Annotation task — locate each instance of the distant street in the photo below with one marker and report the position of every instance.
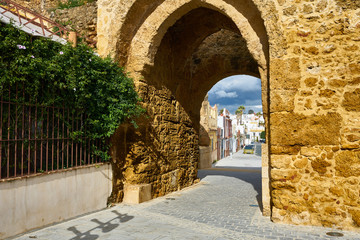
(241, 160)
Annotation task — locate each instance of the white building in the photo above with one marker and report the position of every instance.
(235, 131)
(254, 125)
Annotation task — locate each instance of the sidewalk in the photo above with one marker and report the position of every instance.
(224, 205)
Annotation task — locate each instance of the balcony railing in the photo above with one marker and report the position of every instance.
(39, 24)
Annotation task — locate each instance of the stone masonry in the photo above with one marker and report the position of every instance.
(307, 56)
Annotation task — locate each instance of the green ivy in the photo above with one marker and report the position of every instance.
(60, 75)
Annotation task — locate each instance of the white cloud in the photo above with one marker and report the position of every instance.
(243, 83)
(223, 94)
(237, 90)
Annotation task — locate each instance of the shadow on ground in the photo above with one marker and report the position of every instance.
(105, 227)
(250, 175)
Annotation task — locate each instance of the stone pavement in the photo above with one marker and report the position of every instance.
(240, 160)
(224, 205)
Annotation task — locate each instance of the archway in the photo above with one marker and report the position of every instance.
(230, 118)
(174, 67)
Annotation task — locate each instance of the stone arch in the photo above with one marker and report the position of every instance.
(165, 81)
(235, 59)
(135, 17)
(244, 14)
(190, 71)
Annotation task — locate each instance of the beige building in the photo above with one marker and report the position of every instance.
(208, 129)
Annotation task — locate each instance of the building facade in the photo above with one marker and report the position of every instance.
(208, 132)
(226, 134)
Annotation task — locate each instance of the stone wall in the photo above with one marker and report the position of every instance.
(314, 121)
(40, 6)
(306, 53)
(82, 19)
(34, 202)
(162, 151)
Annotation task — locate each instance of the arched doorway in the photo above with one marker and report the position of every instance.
(174, 67)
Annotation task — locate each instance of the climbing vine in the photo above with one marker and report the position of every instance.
(52, 74)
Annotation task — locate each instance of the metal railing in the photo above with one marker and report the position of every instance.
(38, 139)
(27, 16)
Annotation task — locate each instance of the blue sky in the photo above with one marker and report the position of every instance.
(231, 92)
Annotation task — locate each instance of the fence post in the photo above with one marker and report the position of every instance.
(73, 38)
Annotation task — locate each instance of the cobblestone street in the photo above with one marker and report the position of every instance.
(224, 205)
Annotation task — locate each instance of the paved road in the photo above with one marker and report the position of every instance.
(240, 160)
(258, 149)
(224, 205)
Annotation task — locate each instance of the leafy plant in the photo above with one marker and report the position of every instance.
(263, 135)
(52, 74)
(240, 110)
(72, 3)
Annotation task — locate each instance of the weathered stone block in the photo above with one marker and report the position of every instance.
(205, 157)
(337, 83)
(280, 161)
(307, 9)
(135, 194)
(355, 81)
(282, 100)
(285, 74)
(347, 163)
(327, 93)
(266, 199)
(301, 163)
(310, 151)
(353, 138)
(285, 176)
(311, 82)
(290, 10)
(264, 155)
(311, 50)
(321, 5)
(351, 100)
(298, 129)
(337, 191)
(355, 214)
(320, 165)
(300, 218)
(291, 150)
